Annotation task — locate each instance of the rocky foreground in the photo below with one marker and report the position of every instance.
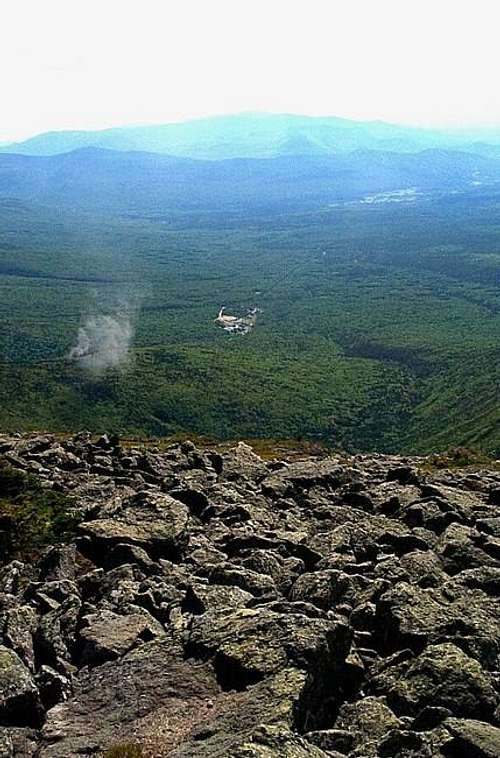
(216, 604)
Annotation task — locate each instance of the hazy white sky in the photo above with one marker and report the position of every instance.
(94, 63)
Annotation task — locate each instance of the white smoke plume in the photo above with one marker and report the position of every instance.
(103, 342)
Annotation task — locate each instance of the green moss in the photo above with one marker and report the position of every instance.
(31, 516)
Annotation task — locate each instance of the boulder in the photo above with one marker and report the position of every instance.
(18, 742)
(461, 547)
(170, 706)
(214, 597)
(19, 625)
(367, 720)
(252, 582)
(19, 700)
(444, 676)
(153, 521)
(323, 588)
(409, 616)
(52, 686)
(423, 568)
(11, 576)
(331, 740)
(471, 739)
(56, 633)
(105, 635)
(123, 700)
(241, 463)
(296, 477)
(58, 563)
(249, 644)
(404, 743)
(276, 742)
(486, 579)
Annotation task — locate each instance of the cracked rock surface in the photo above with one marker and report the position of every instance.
(217, 604)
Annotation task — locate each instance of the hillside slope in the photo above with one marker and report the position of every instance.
(109, 180)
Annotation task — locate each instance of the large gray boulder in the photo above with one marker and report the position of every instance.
(19, 699)
(250, 643)
(277, 742)
(410, 616)
(444, 676)
(152, 520)
(473, 738)
(127, 699)
(367, 720)
(105, 635)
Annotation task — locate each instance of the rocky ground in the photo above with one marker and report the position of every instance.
(216, 604)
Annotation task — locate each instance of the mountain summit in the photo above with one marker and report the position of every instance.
(256, 135)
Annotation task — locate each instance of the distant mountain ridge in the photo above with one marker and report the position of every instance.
(102, 179)
(260, 135)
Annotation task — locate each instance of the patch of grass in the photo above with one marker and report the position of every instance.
(124, 750)
(459, 457)
(31, 516)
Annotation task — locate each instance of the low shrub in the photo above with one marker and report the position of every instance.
(458, 457)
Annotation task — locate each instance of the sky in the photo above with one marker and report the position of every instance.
(90, 64)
